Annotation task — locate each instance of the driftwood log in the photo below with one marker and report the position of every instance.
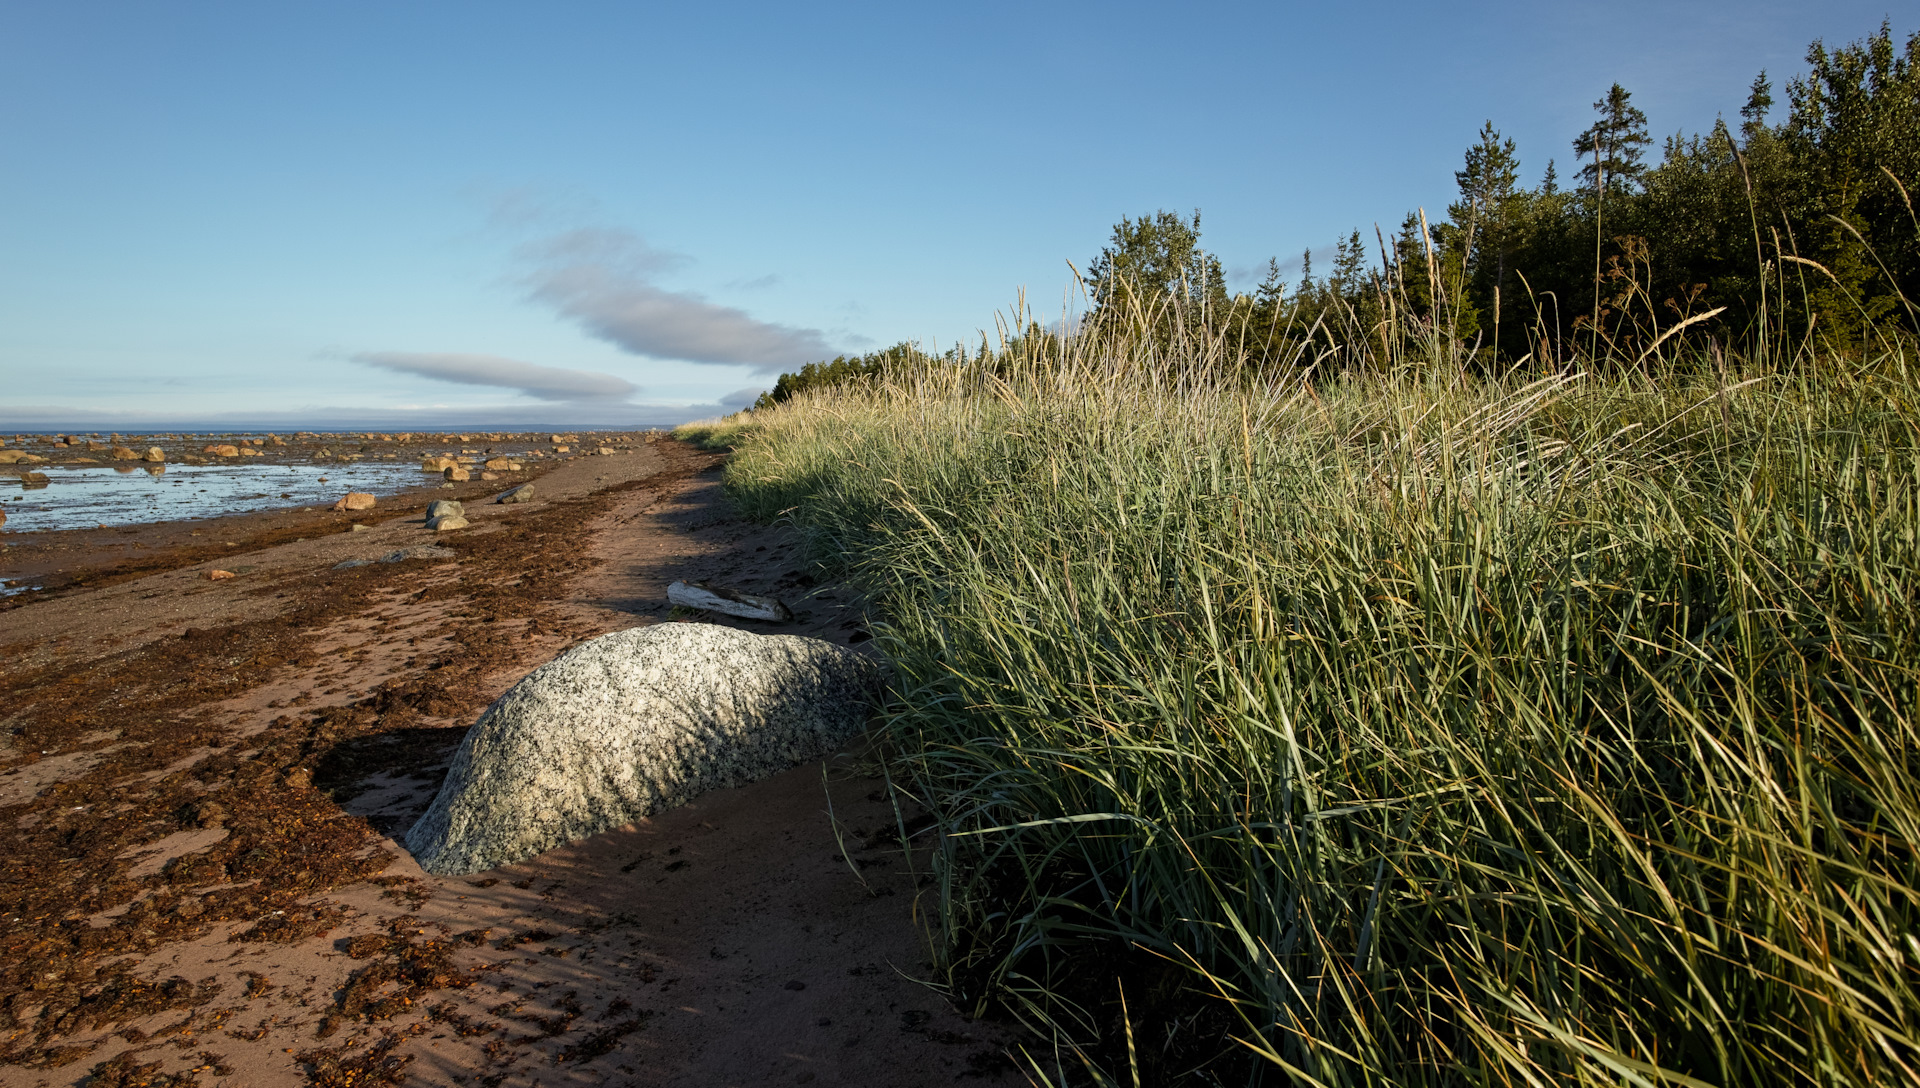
(730, 602)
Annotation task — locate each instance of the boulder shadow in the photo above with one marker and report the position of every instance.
(389, 779)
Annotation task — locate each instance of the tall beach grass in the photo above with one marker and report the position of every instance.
(1402, 728)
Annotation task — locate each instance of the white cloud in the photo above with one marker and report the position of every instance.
(604, 279)
(548, 383)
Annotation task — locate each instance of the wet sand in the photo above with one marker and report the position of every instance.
(203, 785)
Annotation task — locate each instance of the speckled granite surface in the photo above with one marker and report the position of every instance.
(630, 724)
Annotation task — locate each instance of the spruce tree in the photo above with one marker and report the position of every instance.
(1487, 211)
(1612, 147)
(1753, 115)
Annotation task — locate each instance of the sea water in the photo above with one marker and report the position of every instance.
(86, 496)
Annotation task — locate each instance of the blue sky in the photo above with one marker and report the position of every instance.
(576, 213)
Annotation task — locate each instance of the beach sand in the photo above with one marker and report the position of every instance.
(203, 785)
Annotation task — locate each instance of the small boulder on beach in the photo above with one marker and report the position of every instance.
(355, 500)
(457, 473)
(154, 455)
(446, 523)
(523, 493)
(440, 508)
(633, 723)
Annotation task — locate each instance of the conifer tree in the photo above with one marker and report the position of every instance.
(1487, 211)
(1753, 115)
(1615, 143)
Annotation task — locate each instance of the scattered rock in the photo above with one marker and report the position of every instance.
(155, 455)
(223, 451)
(523, 493)
(19, 457)
(498, 464)
(489, 475)
(359, 528)
(122, 453)
(440, 508)
(633, 723)
(349, 564)
(219, 575)
(33, 481)
(447, 522)
(457, 473)
(355, 500)
(727, 601)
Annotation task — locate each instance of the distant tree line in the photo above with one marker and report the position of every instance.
(1767, 237)
(1798, 231)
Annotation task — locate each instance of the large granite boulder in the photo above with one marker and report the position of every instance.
(634, 723)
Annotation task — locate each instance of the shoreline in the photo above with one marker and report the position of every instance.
(58, 559)
(207, 781)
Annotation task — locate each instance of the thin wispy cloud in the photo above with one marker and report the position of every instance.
(549, 383)
(606, 280)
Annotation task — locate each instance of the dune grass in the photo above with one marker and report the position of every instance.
(716, 434)
(1398, 729)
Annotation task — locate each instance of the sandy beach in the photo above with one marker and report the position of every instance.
(204, 784)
